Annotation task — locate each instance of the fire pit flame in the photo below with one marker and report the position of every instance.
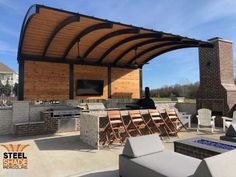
(215, 144)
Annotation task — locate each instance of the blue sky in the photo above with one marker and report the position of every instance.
(201, 19)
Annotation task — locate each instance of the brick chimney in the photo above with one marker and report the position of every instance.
(217, 90)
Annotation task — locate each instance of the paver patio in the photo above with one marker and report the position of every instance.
(64, 155)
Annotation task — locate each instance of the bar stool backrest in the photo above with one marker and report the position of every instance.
(171, 113)
(135, 115)
(114, 116)
(154, 113)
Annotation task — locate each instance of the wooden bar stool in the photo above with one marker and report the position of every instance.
(138, 124)
(116, 129)
(173, 116)
(173, 121)
(103, 130)
(158, 123)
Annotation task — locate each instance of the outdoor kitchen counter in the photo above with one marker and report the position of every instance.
(89, 126)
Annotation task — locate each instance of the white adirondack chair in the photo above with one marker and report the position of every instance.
(228, 121)
(205, 119)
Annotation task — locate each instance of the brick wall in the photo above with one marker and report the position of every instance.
(32, 128)
(226, 62)
(25, 111)
(217, 89)
(48, 125)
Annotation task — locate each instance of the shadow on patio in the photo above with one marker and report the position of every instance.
(111, 173)
(13, 138)
(72, 142)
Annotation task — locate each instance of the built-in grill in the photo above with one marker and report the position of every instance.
(67, 119)
(65, 113)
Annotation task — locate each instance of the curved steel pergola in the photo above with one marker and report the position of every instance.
(112, 43)
(54, 35)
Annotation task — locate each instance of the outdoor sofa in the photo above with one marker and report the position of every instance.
(145, 156)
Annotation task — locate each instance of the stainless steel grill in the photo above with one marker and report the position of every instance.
(68, 119)
(65, 113)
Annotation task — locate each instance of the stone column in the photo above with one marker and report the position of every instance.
(20, 112)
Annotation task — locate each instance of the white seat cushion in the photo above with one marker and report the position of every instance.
(142, 145)
(222, 165)
(169, 163)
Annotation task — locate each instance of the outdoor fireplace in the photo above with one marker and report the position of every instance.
(217, 90)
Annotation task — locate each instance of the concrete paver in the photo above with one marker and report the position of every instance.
(64, 155)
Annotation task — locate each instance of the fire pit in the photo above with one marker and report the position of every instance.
(202, 147)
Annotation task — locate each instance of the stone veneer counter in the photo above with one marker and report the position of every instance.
(90, 126)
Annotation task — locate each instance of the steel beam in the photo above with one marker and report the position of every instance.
(71, 81)
(84, 33)
(109, 81)
(21, 80)
(141, 82)
(72, 61)
(124, 41)
(109, 36)
(59, 27)
(149, 41)
(168, 50)
(34, 9)
(150, 49)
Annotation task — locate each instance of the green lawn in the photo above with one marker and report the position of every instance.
(187, 100)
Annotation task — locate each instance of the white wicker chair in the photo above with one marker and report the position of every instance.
(228, 121)
(205, 119)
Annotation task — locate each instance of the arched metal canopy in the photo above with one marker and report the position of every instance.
(56, 35)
